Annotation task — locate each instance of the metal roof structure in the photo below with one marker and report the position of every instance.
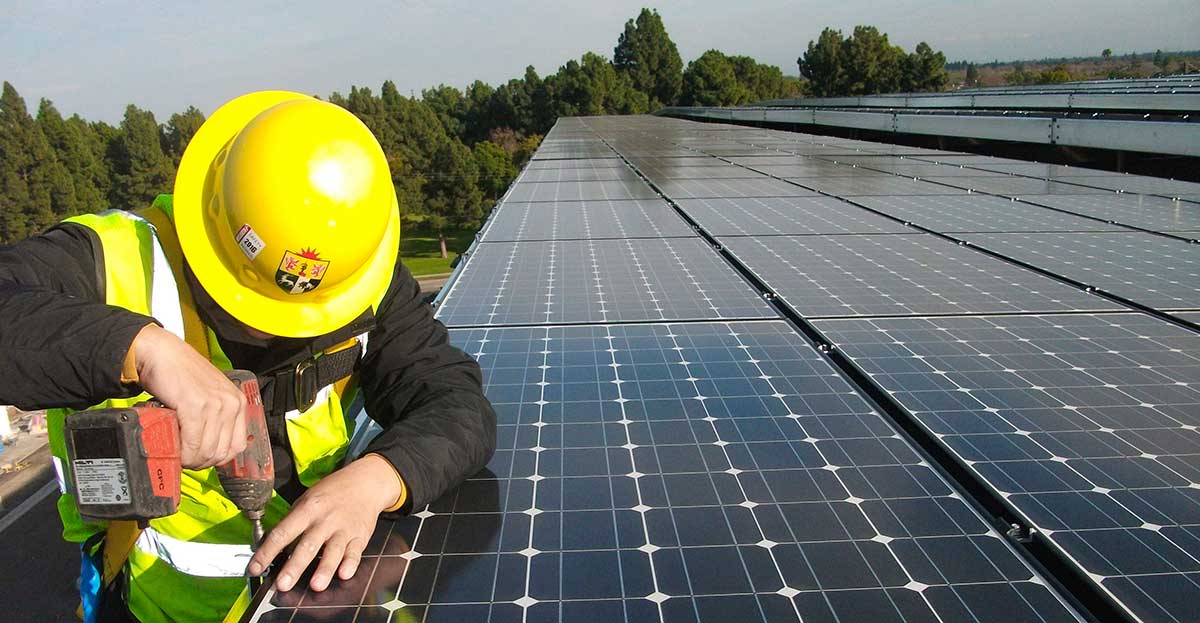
(754, 375)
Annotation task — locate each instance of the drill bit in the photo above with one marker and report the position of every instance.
(255, 517)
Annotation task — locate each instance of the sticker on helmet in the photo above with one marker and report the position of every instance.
(300, 272)
(249, 242)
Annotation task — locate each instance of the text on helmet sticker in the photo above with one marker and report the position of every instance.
(300, 272)
(249, 242)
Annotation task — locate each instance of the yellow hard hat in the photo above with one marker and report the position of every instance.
(286, 213)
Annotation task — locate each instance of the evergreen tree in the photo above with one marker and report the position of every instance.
(924, 70)
(74, 149)
(972, 78)
(35, 188)
(448, 104)
(822, 65)
(647, 55)
(496, 170)
(453, 198)
(141, 170)
(178, 131)
(592, 86)
(710, 80)
(872, 64)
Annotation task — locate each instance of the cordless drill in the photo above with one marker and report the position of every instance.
(125, 463)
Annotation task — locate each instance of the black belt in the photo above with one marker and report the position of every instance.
(296, 387)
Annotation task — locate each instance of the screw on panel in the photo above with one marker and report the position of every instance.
(825, 348)
(1019, 533)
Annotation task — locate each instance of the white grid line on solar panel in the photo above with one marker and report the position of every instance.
(1019, 186)
(573, 154)
(897, 274)
(732, 188)
(812, 168)
(608, 174)
(664, 173)
(581, 191)
(868, 183)
(1086, 424)
(1153, 213)
(1152, 270)
(597, 281)
(1135, 184)
(686, 473)
(976, 213)
(580, 163)
(910, 168)
(750, 216)
(645, 218)
(698, 160)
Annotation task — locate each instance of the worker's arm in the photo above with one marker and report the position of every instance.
(438, 428)
(60, 345)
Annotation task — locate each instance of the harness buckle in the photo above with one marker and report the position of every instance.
(304, 384)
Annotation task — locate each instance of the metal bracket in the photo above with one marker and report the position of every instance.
(1019, 533)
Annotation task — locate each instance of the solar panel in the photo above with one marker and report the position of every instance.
(1019, 186)
(1152, 270)
(663, 173)
(785, 215)
(898, 274)
(597, 281)
(683, 473)
(1153, 213)
(1085, 425)
(868, 183)
(643, 218)
(1136, 184)
(737, 188)
(581, 191)
(597, 174)
(967, 213)
(580, 163)
(814, 168)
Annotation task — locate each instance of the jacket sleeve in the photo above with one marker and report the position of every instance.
(438, 428)
(60, 345)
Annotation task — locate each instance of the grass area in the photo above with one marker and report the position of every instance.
(420, 252)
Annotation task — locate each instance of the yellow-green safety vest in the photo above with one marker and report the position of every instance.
(189, 567)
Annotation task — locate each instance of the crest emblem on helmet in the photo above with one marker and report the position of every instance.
(300, 272)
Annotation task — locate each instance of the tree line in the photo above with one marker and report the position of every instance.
(452, 151)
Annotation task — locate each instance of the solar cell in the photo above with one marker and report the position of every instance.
(581, 191)
(597, 281)
(1085, 425)
(596, 174)
(580, 163)
(1019, 186)
(658, 173)
(737, 188)
(689, 473)
(785, 215)
(898, 275)
(1154, 213)
(644, 218)
(1152, 270)
(868, 183)
(968, 213)
(1136, 184)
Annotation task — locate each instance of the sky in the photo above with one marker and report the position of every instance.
(94, 58)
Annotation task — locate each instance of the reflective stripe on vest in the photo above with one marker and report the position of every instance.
(206, 560)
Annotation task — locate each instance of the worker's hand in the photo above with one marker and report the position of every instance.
(335, 518)
(210, 408)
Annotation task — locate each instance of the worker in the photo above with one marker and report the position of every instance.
(276, 253)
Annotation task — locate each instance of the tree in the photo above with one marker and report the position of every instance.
(710, 80)
(1160, 59)
(924, 70)
(647, 55)
(871, 64)
(759, 81)
(496, 169)
(141, 170)
(450, 107)
(178, 132)
(592, 86)
(822, 64)
(525, 149)
(35, 188)
(972, 78)
(453, 198)
(1107, 53)
(73, 148)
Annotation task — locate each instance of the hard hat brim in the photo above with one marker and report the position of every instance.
(322, 311)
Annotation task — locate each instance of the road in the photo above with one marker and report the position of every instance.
(37, 568)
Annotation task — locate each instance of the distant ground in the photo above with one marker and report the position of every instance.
(421, 253)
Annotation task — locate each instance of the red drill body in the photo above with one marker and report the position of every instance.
(125, 463)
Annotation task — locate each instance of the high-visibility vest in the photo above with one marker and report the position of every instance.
(189, 567)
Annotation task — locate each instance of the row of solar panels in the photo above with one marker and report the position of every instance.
(1172, 93)
(734, 369)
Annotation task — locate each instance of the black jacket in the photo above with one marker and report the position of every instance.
(61, 346)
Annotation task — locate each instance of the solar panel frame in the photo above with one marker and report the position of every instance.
(898, 274)
(597, 281)
(1084, 424)
(634, 481)
(1019, 186)
(1144, 211)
